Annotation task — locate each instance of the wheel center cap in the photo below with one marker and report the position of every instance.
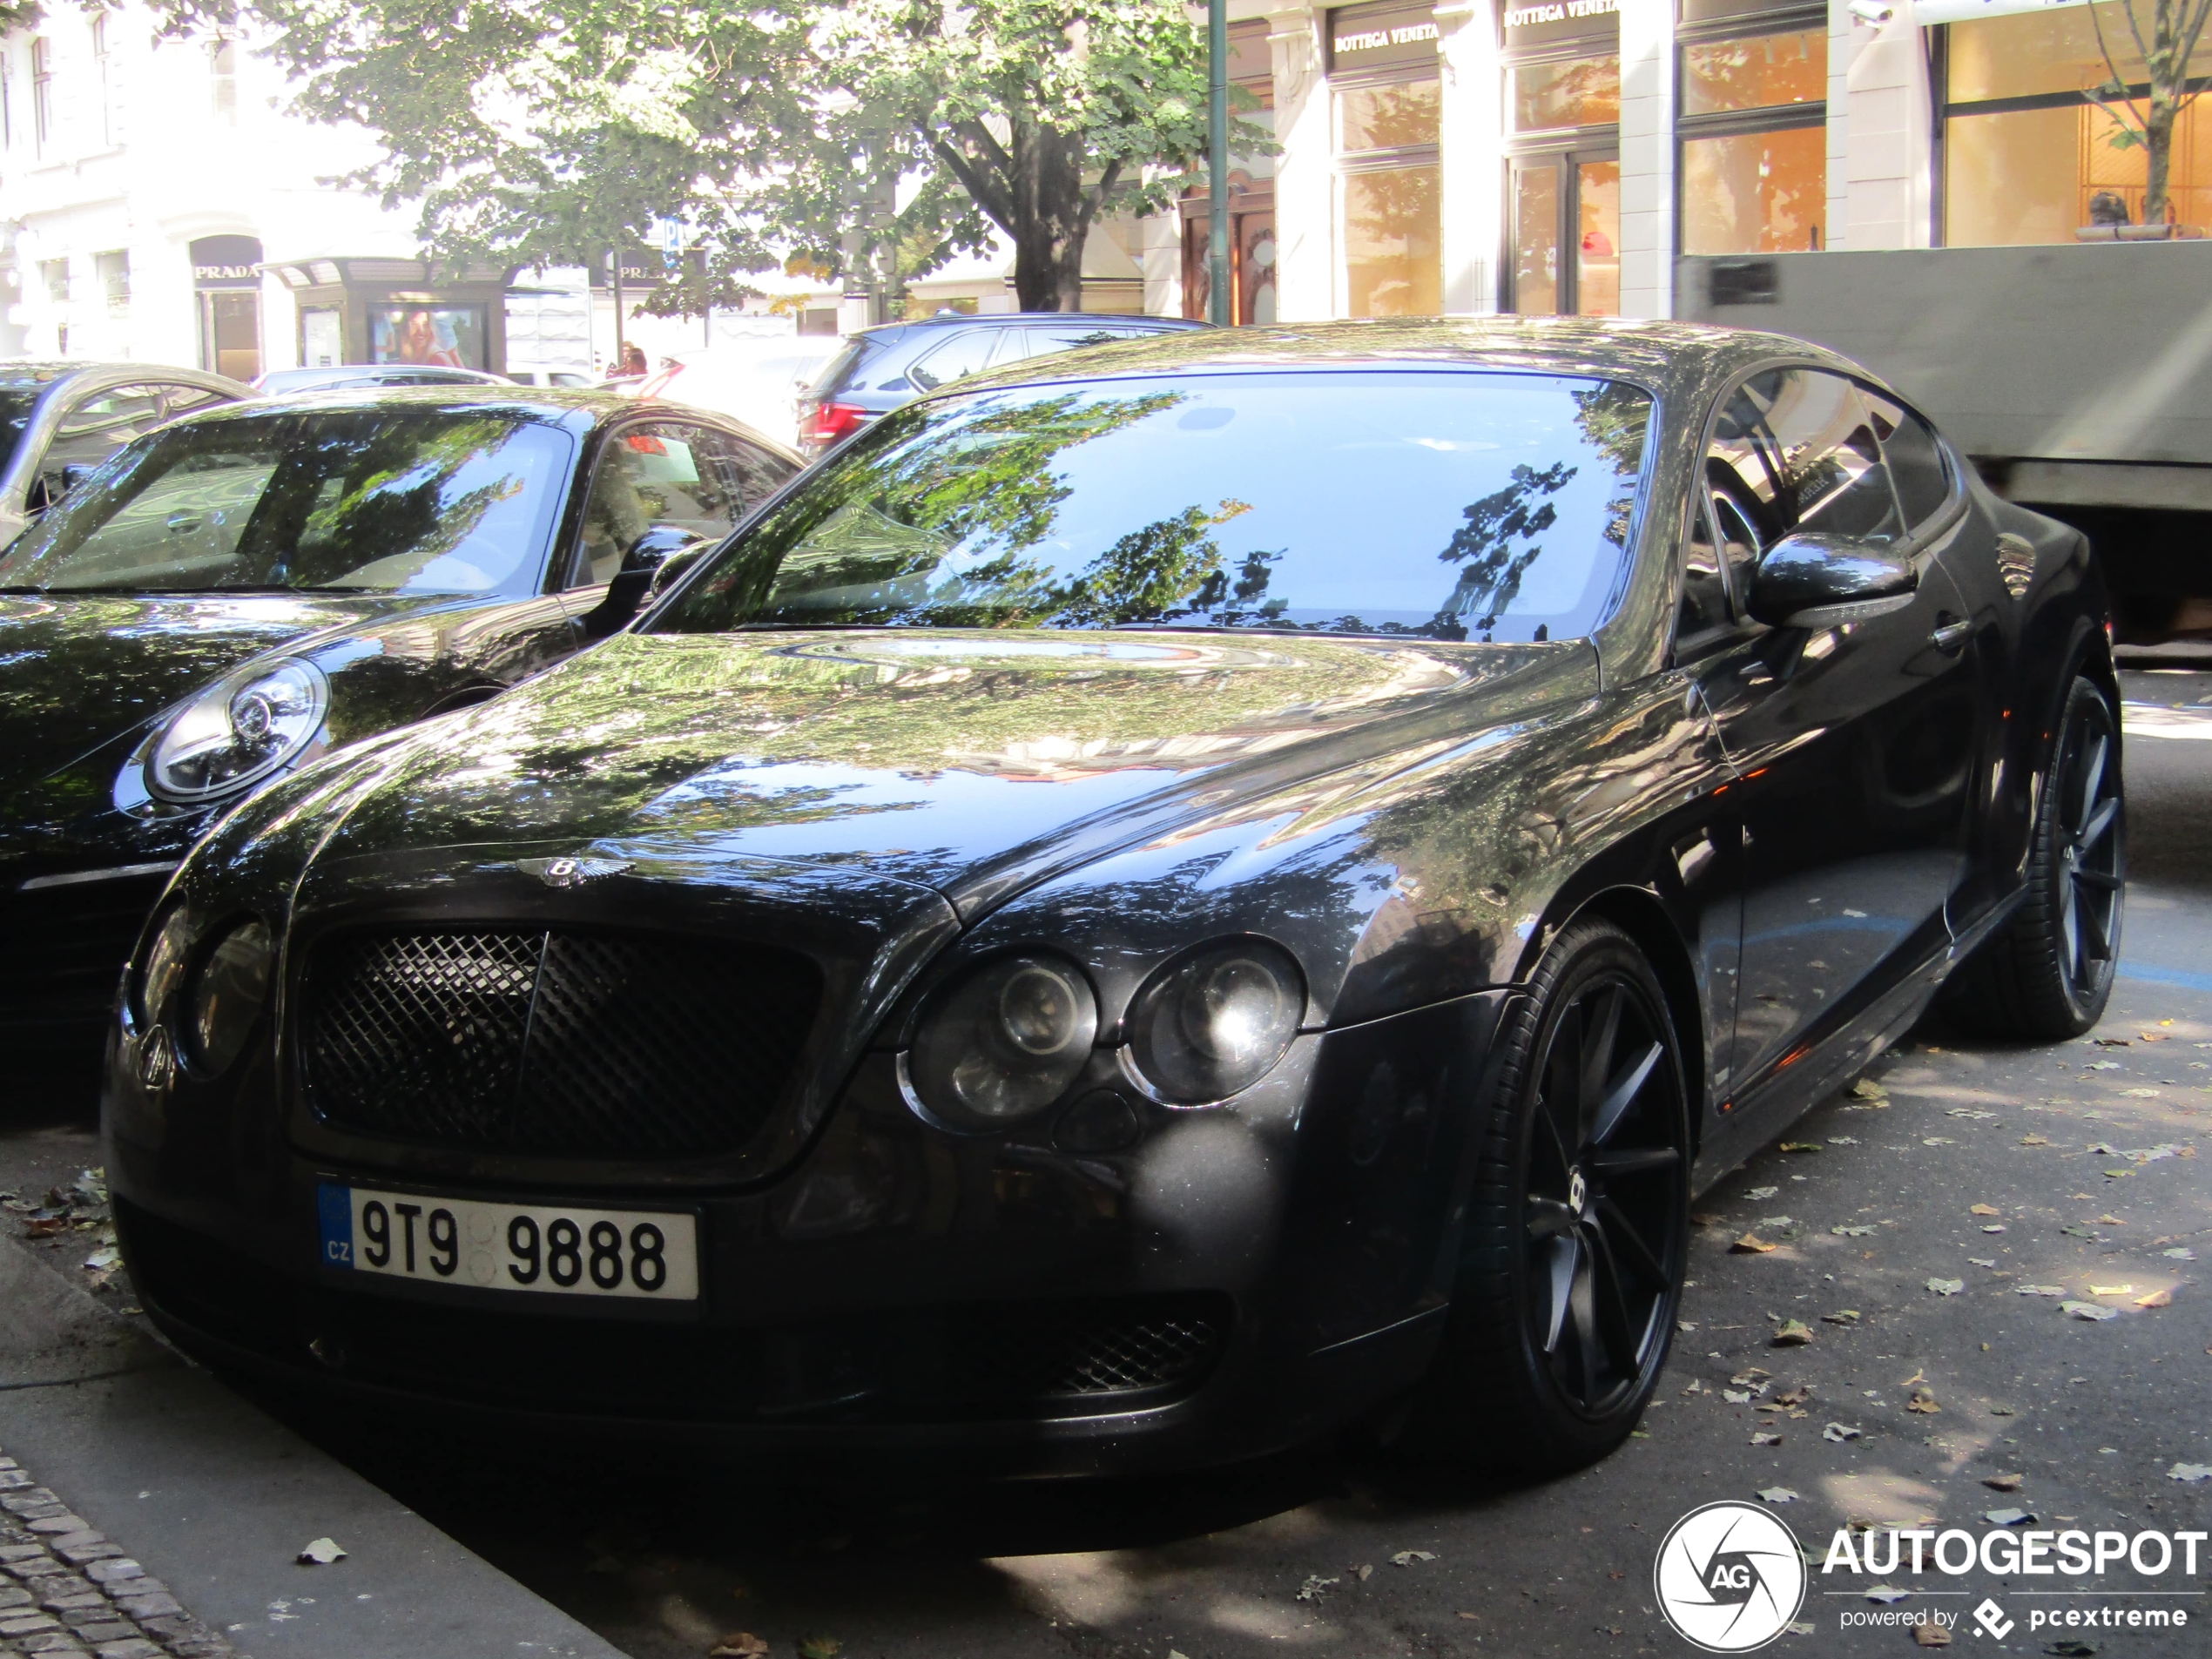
(1578, 1192)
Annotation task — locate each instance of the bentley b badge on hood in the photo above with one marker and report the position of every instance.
(571, 871)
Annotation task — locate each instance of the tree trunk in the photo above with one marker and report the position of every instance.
(2158, 143)
(1052, 214)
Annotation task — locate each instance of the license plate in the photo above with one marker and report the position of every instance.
(561, 1249)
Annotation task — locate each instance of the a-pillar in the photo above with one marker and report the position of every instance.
(1471, 139)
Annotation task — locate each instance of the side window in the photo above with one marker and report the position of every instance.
(968, 352)
(760, 472)
(1704, 583)
(99, 425)
(1916, 466)
(178, 399)
(1795, 449)
(661, 475)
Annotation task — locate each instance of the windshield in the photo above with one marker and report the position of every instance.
(391, 499)
(1452, 505)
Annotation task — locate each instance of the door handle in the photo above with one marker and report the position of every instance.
(1949, 637)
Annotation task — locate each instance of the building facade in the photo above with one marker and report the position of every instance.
(1560, 156)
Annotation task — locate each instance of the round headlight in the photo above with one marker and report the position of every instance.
(227, 994)
(1005, 1042)
(237, 731)
(1216, 1021)
(164, 967)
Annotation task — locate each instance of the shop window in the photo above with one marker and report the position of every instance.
(1562, 167)
(1751, 124)
(1387, 104)
(2027, 154)
(1569, 92)
(114, 272)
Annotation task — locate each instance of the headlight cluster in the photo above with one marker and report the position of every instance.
(237, 731)
(210, 988)
(1009, 1040)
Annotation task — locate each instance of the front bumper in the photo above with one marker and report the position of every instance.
(64, 937)
(1238, 1280)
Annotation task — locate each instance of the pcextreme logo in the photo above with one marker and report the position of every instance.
(1730, 1577)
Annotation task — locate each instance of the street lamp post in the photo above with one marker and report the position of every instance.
(1217, 299)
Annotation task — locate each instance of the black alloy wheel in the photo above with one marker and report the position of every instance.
(1577, 1232)
(2048, 973)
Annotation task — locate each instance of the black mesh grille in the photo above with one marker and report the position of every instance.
(560, 1043)
(1112, 1354)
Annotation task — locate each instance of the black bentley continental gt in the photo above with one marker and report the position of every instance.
(1141, 910)
(231, 594)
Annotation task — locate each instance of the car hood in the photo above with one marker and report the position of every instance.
(76, 671)
(973, 763)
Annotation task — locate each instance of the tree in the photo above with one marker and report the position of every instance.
(874, 137)
(2165, 34)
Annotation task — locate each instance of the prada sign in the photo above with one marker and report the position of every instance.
(221, 262)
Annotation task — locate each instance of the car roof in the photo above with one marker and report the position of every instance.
(574, 409)
(1663, 357)
(999, 319)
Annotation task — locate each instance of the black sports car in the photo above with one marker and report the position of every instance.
(227, 596)
(1141, 910)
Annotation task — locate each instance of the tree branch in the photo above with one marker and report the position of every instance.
(989, 192)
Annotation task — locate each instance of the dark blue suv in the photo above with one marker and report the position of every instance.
(896, 362)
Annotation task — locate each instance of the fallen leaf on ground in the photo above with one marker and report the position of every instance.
(1794, 1333)
(1776, 1495)
(1983, 1210)
(1946, 1286)
(1758, 1193)
(1887, 1593)
(1841, 1316)
(2009, 1517)
(1867, 1089)
(1931, 1634)
(738, 1644)
(101, 1261)
(321, 1553)
(1839, 1433)
(1937, 1140)
(1981, 1261)
(2088, 1311)
(1924, 1401)
(2190, 1472)
(1408, 1557)
(1800, 1146)
(1750, 1244)
(2003, 1482)
(1843, 1140)
(2071, 1231)
(1994, 1227)
(2156, 1298)
(1975, 1112)
(820, 1647)
(1315, 1587)
(2112, 1289)
(2071, 1647)
(1851, 1230)
(2180, 1253)
(1736, 1396)
(2034, 1140)
(1762, 1438)
(2039, 1290)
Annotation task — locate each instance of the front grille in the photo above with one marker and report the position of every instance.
(968, 1360)
(558, 1043)
(62, 950)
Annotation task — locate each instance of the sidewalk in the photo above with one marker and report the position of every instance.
(150, 1512)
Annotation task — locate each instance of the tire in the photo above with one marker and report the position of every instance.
(1576, 1232)
(2047, 975)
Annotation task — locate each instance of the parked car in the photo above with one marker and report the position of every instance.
(59, 421)
(882, 368)
(573, 379)
(1140, 910)
(347, 377)
(234, 594)
(757, 382)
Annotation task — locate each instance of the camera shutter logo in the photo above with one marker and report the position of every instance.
(1730, 1577)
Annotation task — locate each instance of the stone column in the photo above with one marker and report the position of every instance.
(1647, 158)
(1889, 160)
(1306, 279)
(1841, 45)
(1471, 143)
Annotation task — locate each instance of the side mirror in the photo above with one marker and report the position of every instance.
(1813, 581)
(674, 566)
(641, 564)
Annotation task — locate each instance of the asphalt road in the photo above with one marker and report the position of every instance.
(2086, 1155)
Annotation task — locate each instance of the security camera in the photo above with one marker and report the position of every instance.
(1872, 13)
